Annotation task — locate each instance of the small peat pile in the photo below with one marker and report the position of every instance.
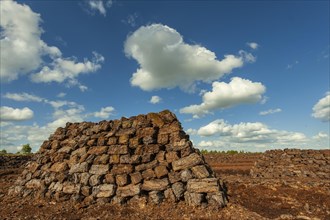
(145, 157)
(289, 163)
(13, 161)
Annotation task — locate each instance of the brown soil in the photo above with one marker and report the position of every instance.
(249, 198)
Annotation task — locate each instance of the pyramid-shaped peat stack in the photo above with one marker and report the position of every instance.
(145, 157)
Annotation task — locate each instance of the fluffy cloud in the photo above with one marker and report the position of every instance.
(68, 114)
(225, 95)
(99, 6)
(67, 69)
(248, 57)
(72, 108)
(253, 45)
(191, 131)
(105, 112)
(61, 95)
(321, 109)
(155, 99)
(248, 132)
(254, 135)
(64, 111)
(23, 97)
(21, 38)
(166, 61)
(15, 114)
(206, 144)
(270, 111)
(321, 135)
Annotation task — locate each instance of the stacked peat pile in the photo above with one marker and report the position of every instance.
(13, 161)
(147, 157)
(293, 163)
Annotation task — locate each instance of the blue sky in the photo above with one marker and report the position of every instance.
(241, 75)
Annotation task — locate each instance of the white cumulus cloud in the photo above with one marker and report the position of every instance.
(105, 112)
(61, 95)
(20, 97)
(15, 114)
(155, 99)
(23, 51)
(166, 61)
(321, 135)
(60, 103)
(20, 39)
(253, 45)
(191, 131)
(225, 95)
(321, 109)
(99, 6)
(63, 115)
(64, 111)
(249, 132)
(206, 144)
(270, 111)
(67, 69)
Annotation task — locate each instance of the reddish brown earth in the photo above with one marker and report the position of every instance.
(298, 198)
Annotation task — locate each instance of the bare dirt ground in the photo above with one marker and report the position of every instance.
(249, 198)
